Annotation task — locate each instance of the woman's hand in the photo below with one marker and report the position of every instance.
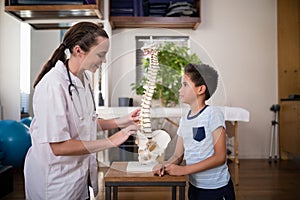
(108, 124)
(121, 136)
(135, 115)
(130, 119)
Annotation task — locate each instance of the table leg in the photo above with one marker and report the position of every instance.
(107, 192)
(181, 192)
(236, 154)
(115, 192)
(173, 192)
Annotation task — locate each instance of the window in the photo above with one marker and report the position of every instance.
(24, 67)
(145, 40)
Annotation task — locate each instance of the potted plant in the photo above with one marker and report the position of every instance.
(172, 60)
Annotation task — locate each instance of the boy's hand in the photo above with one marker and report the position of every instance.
(175, 170)
(158, 170)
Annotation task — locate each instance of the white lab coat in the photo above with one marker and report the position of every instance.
(60, 177)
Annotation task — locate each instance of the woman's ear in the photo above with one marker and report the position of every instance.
(77, 50)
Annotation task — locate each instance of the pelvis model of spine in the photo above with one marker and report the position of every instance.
(151, 144)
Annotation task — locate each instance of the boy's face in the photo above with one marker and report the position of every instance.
(188, 92)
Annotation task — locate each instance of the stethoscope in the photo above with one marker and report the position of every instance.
(72, 85)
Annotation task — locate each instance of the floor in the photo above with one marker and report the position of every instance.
(259, 180)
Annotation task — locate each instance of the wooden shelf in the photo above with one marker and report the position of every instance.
(156, 22)
(62, 16)
(53, 12)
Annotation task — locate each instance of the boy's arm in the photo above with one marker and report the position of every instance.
(176, 158)
(217, 159)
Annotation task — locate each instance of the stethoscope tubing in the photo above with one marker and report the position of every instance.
(72, 85)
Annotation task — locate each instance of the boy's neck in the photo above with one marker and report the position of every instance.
(195, 108)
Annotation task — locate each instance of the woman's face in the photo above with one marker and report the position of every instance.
(96, 56)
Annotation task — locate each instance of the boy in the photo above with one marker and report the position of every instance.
(201, 139)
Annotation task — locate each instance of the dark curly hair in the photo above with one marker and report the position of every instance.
(202, 74)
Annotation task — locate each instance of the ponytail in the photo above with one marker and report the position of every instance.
(84, 34)
(59, 54)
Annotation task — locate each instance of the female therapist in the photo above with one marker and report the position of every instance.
(61, 162)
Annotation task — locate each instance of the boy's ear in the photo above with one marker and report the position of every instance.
(201, 89)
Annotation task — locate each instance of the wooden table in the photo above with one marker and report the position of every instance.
(232, 114)
(117, 176)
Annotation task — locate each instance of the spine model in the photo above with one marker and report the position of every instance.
(152, 144)
(149, 90)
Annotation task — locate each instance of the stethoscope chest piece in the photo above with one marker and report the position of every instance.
(95, 116)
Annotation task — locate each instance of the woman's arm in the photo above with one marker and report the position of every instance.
(108, 124)
(217, 159)
(80, 147)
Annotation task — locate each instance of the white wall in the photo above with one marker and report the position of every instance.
(9, 65)
(238, 37)
(43, 44)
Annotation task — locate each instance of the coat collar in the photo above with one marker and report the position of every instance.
(62, 69)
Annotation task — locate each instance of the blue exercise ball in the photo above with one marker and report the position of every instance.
(15, 141)
(26, 121)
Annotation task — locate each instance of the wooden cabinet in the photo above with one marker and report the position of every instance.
(157, 22)
(289, 128)
(288, 12)
(40, 16)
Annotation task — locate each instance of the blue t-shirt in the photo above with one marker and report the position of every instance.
(198, 142)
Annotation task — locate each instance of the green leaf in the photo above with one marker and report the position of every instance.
(172, 60)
